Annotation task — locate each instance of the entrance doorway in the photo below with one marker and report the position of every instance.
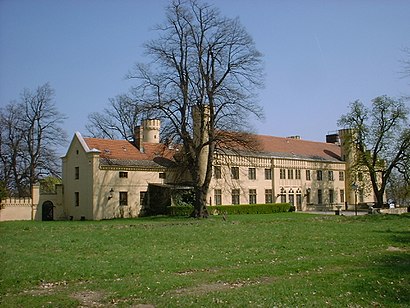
(48, 211)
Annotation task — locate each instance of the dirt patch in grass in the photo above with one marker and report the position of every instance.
(46, 288)
(221, 286)
(89, 298)
(86, 298)
(193, 271)
(392, 248)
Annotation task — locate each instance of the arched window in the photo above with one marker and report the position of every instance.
(299, 199)
(282, 195)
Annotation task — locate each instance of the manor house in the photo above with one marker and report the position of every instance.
(104, 178)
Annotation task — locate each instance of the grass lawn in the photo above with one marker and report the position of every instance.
(282, 260)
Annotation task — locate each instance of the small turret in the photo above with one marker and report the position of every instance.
(200, 123)
(151, 130)
(147, 132)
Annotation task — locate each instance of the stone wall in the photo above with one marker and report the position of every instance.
(20, 208)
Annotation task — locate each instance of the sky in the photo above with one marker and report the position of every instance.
(319, 56)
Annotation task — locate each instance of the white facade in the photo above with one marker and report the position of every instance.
(104, 179)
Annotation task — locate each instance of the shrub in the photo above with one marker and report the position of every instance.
(180, 210)
(249, 208)
(232, 209)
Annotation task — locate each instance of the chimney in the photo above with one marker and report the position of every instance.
(333, 138)
(138, 137)
(297, 137)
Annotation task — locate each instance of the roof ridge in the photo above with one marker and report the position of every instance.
(294, 139)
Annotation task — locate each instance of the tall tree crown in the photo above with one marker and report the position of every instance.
(200, 58)
(31, 133)
(381, 140)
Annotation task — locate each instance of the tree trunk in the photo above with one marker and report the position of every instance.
(379, 198)
(200, 210)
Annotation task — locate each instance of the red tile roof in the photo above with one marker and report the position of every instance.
(289, 147)
(123, 150)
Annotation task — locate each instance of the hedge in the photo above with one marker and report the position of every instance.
(180, 210)
(232, 209)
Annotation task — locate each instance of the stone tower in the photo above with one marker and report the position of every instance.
(150, 130)
(200, 136)
(348, 153)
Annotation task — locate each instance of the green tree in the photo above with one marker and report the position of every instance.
(48, 184)
(381, 140)
(3, 190)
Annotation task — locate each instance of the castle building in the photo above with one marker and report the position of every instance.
(104, 178)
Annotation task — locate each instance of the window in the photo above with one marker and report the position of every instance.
(330, 175)
(268, 174)
(162, 175)
(307, 175)
(341, 176)
(319, 196)
(282, 174)
(342, 195)
(297, 174)
(252, 173)
(123, 174)
(308, 196)
(77, 198)
(291, 197)
(283, 195)
(299, 200)
(252, 196)
(217, 172)
(319, 175)
(235, 173)
(123, 198)
(361, 195)
(331, 196)
(235, 196)
(268, 195)
(218, 196)
(290, 174)
(143, 195)
(77, 173)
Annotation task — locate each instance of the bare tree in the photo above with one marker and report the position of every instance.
(406, 63)
(29, 139)
(381, 140)
(117, 121)
(205, 66)
(13, 173)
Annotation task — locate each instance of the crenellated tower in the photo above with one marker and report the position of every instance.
(150, 128)
(349, 155)
(200, 136)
